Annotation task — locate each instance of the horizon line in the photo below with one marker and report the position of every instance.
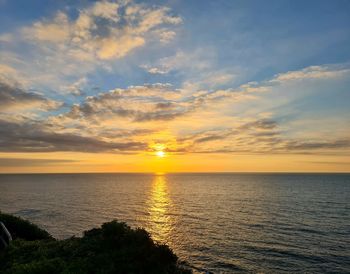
(183, 172)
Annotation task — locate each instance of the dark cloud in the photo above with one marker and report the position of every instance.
(212, 137)
(206, 136)
(164, 105)
(260, 124)
(256, 137)
(122, 133)
(150, 102)
(259, 129)
(312, 145)
(19, 162)
(159, 115)
(32, 137)
(12, 97)
(140, 104)
(87, 111)
(266, 133)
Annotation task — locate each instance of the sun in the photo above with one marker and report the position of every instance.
(160, 153)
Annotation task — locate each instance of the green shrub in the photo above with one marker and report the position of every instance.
(113, 248)
(20, 228)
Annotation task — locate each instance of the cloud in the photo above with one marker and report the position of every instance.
(150, 102)
(231, 141)
(55, 52)
(260, 124)
(14, 99)
(77, 87)
(25, 162)
(134, 119)
(166, 36)
(314, 145)
(161, 102)
(117, 48)
(213, 136)
(10, 76)
(155, 70)
(54, 31)
(197, 69)
(105, 30)
(247, 137)
(138, 103)
(181, 61)
(259, 136)
(34, 137)
(312, 72)
(6, 38)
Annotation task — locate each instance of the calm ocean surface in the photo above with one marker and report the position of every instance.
(224, 223)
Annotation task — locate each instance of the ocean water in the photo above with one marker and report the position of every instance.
(224, 223)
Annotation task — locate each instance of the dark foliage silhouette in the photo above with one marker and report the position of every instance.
(113, 248)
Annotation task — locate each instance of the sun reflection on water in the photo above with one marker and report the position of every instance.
(160, 220)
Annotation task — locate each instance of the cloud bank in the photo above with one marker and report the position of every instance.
(133, 120)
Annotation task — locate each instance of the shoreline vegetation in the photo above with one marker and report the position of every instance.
(112, 248)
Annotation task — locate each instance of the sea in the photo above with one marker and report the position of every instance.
(216, 222)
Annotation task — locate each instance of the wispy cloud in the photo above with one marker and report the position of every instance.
(312, 72)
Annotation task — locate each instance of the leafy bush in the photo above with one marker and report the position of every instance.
(113, 248)
(23, 229)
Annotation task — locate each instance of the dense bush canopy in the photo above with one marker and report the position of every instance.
(113, 248)
(23, 229)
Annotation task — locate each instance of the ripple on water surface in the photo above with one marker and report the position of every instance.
(224, 223)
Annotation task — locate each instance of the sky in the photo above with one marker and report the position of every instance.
(174, 86)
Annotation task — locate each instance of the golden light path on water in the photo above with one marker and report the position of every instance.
(159, 206)
(223, 223)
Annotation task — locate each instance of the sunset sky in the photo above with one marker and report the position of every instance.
(174, 86)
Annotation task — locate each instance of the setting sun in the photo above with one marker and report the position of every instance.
(160, 153)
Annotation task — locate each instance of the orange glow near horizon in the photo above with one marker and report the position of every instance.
(74, 162)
